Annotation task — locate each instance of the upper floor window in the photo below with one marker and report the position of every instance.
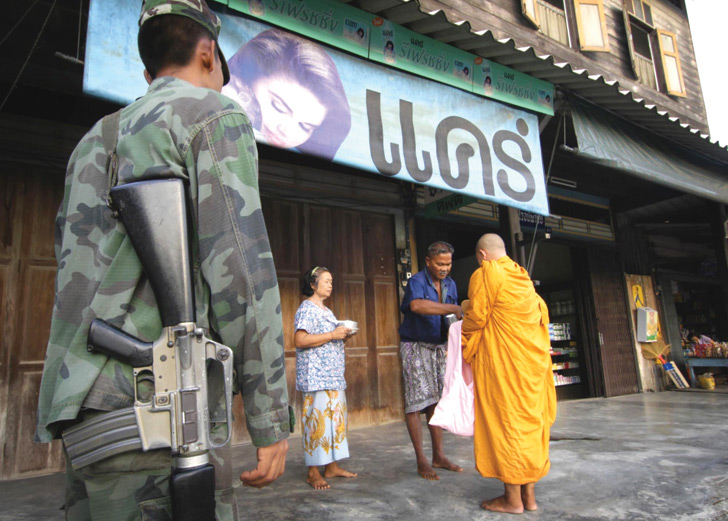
(592, 25)
(640, 9)
(552, 20)
(653, 52)
(674, 83)
(639, 42)
(641, 35)
(549, 16)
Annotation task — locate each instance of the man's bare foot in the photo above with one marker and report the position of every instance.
(332, 470)
(315, 480)
(500, 504)
(528, 496)
(426, 472)
(444, 463)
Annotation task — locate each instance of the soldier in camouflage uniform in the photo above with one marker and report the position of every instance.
(183, 127)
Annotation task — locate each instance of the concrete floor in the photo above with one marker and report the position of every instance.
(641, 457)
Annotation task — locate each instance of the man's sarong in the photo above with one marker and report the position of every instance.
(324, 422)
(423, 369)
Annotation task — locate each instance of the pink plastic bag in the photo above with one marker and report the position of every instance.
(455, 411)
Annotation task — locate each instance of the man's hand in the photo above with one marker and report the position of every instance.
(271, 464)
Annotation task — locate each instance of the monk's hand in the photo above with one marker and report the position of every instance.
(271, 465)
(459, 313)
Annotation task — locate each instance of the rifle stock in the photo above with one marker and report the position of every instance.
(154, 215)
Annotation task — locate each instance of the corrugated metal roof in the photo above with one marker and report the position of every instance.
(447, 24)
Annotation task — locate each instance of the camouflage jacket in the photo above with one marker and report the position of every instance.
(204, 138)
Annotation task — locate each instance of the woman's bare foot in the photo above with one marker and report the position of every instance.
(500, 504)
(424, 470)
(315, 480)
(528, 496)
(444, 463)
(332, 470)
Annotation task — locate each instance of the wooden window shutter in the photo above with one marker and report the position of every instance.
(528, 7)
(671, 63)
(591, 24)
(628, 30)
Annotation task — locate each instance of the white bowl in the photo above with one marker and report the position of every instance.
(348, 324)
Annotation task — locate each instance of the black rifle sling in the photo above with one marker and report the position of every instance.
(110, 135)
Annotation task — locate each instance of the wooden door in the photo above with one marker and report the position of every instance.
(30, 200)
(613, 324)
(358, 248)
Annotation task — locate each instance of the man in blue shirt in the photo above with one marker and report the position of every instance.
(430, 295)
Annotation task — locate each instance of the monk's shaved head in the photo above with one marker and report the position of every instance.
(491, 242)
(491, 247)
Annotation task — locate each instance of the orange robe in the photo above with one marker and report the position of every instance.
(506, 340)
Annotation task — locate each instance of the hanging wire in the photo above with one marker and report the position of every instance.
(548, 175)
(18, 22)
(80, 19)
(27, 59)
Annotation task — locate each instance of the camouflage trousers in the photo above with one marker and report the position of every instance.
(135, 486)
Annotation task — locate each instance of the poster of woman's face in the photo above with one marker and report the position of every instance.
(291, 90)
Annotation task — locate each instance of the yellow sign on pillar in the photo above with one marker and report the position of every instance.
(638, 296)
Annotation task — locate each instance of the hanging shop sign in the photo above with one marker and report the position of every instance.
(511, 86)
(333, 23)
(438, 201)
(361, 33)
(530, 220)
(348, 110)
(409, 51)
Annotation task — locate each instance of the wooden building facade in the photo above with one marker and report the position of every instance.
(631, 59)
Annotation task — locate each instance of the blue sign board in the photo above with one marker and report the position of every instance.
(346, 109)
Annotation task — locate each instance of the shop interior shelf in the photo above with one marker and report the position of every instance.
(570, 371)
(565, 384)
(559, 354)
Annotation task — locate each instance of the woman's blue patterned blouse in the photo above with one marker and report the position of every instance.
(319, 368)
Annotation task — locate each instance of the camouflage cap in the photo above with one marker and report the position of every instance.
(194, 9)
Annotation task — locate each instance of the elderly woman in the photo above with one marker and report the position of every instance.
(320, 362)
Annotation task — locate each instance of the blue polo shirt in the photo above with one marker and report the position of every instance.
(425, 328)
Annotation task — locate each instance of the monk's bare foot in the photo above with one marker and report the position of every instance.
(500, 504)
(424, 470)
(333, 470)
(444, 463)
(528, 496)
(315, 480)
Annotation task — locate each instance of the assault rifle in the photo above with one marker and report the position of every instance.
(189, 370)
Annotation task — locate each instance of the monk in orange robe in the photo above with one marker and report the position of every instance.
(505, 339)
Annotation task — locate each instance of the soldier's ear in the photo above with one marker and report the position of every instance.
(148, 77)
(206, 50)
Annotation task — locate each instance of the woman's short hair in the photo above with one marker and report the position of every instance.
(277, 52)
(311, 278)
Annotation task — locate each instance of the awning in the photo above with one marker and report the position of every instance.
(619, 144)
